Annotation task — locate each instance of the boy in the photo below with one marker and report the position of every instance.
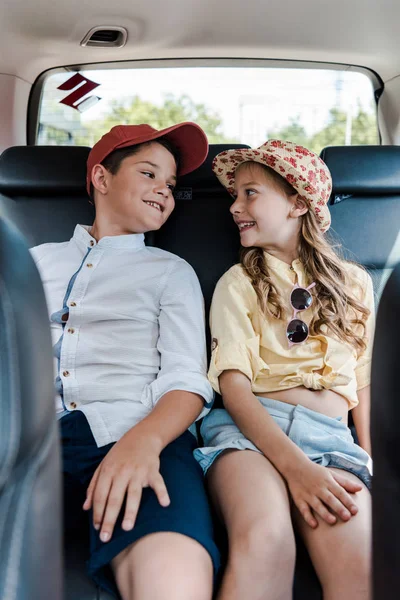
(128, 329)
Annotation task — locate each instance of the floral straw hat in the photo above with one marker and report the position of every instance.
(303, 169)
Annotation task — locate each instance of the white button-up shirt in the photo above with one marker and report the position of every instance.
(133, 328)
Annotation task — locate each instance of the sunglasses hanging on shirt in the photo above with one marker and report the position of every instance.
(300, 299)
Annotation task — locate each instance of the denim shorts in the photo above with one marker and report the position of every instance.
(188, 514)
(325, 440)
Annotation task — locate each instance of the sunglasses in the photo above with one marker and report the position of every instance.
(300, 299)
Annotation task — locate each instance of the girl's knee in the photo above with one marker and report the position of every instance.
(349, 574)
(358, 565)
(266, 544)
(350, 584)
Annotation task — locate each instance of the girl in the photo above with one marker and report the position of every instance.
(292, 332)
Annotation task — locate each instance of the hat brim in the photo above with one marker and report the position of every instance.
(226, 163)
(188, 138)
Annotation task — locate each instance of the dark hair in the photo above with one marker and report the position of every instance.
(112, 162)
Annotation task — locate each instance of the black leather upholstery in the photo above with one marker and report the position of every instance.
(201, 231)
(367, 221)
(385, 422)
(35, 171)
(30, 498)
(42, 190)
(364, 170)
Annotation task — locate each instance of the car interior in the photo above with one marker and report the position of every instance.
(43, 197)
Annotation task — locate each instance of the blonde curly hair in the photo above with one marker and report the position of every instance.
(336, 306)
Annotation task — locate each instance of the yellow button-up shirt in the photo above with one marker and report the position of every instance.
(256, 344)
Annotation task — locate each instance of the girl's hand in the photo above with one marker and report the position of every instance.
(322, 491)
(131, 465)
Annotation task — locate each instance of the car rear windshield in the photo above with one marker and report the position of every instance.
(315, 106)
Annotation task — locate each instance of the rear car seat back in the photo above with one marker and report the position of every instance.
(385, 419)
(42, 190)
(365, 206)
(30, 499)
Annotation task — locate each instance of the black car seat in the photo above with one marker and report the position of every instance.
(385, 422)
(365, 218)
(30, 477)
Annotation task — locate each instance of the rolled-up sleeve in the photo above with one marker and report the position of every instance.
(235, 344)
(363, 368)
(181, 342)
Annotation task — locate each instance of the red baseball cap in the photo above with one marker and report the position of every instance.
(188, 138)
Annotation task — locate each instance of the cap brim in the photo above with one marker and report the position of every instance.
(188, 138)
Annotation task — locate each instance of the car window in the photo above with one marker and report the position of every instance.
(316, 106)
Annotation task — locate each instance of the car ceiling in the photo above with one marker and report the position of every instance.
(36, 35)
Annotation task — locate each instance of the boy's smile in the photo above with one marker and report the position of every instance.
(139, 196)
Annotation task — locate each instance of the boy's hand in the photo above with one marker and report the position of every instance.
(318, 489)
(132, 464)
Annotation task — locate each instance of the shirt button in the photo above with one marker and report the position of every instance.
(91, 242)
(71, 330)
(89, 265)
(291, 268)
(73, 304)
(73, 405)
(66, 373)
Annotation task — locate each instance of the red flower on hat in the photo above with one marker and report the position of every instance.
(303, 151)
(291, 160)
(314, 162)
(323, 175)
(312, 178)
(282, 169)
(271, 161)
(303, 168)
(291, 179)
(277, 144)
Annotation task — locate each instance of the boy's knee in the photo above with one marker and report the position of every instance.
(183, 570)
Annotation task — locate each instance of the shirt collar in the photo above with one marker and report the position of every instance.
(280, 266)
(133, 241)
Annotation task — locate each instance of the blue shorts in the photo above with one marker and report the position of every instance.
(325, 440)
(188, 513)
